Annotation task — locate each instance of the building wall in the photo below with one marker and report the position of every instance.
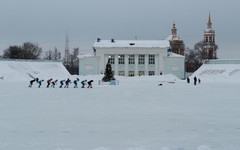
(158, 67)
(175, 66)
(88, 66)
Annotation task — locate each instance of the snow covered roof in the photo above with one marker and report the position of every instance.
(132, 43)
(86, 55)
(173, 37)
(174, 55)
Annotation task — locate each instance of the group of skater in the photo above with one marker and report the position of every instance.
(195, 80)
(63, 83)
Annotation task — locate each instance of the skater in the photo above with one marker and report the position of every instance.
(31, 82)
(90, 84)
(67, 83)
(188, 80)
(48, 82)
(40, 83)
(199, 81)
(83, 83)
(195, 80)
(75, 83)
(61, 82)
(54, 83)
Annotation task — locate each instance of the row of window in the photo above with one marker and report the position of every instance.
(210, 39)
(140, 73)
(131, 59)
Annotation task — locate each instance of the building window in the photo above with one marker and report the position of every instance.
(121, 59)
(206, 39)
(141, 73)
(151, 73)
(111, 59)
(131, 73)
(141, 59)
(121, 73)
(210, 39)
(151, 60)
(213, 39)
(131, 59)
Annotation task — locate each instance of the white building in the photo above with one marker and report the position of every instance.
(132, 58)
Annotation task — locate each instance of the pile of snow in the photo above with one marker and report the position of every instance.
(22, 70)
(218, 72)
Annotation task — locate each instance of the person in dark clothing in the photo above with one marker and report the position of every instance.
(83, 83)
(90, 84)
(54, 83)
(31, 83)
(188, 80)
(40, 83)
(61, 82)
(195, 80)
(75, 83)
(67, 83)
(199, 81)
(49, 82)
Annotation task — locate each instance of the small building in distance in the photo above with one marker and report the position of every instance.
(132, 58)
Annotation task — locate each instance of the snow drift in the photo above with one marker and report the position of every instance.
(218, 72)
(22, 69)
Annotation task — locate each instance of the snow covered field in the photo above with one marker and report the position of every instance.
(135, 115)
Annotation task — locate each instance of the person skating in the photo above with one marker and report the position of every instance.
(67, 83)
(54, 83)
(195, 80)
(90, 84)
(40, 83)
(83, 83)
(31, 82)
(49, 82)
(75, 83)
(61, 82)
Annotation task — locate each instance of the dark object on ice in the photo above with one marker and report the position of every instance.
(188, 80)
(195, 80)
(160, 84)
(199, 81)
(108, 74)
(90, 84)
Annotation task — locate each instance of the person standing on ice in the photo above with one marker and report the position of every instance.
(188, 80)
(31, 82)
(83, 83)
(61, 82)
(67, 83)
(199, 81)
(40, 83)
(195, 80)
(90, 84)
(54, 83)
(49, 82)
(75, 83)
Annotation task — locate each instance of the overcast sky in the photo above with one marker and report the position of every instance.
(46, 22)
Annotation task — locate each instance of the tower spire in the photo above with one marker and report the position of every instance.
(209, 24)
(67, 54)
(174, 29)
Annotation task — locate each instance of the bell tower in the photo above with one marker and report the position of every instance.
(209, 46)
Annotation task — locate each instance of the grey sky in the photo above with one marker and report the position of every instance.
(46, 22)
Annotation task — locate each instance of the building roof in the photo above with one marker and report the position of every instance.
(132, 43)
(173, 37)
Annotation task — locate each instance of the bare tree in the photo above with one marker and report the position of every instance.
(27, 51)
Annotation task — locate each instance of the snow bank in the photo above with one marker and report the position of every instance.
(218, 72)
(22, 69)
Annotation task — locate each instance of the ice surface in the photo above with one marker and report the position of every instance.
(137, 114)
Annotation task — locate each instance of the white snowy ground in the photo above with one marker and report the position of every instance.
(135, 115)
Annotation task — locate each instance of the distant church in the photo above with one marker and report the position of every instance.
(209, 46)
(176, 43)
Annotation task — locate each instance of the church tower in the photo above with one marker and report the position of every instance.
(176, 43)
(209, 46)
